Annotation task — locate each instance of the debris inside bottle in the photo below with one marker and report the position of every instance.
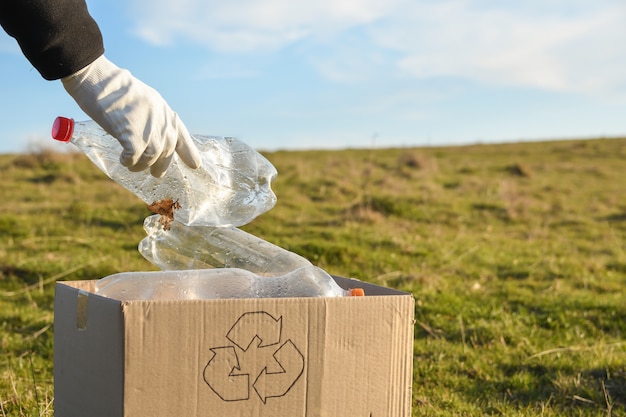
(165, 208)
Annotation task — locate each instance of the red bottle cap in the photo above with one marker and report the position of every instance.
(62, 129)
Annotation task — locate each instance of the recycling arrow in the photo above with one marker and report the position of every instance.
(255, 325)
(219, 375)
(256, 355)
(276, 384)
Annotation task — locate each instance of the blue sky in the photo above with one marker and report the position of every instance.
(295, 74)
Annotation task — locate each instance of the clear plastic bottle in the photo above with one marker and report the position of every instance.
(230, 188)
(225, 283)
(205, 247)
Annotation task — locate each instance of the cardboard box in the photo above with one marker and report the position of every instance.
(280, 357)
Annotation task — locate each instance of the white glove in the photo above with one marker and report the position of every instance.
(133, 113)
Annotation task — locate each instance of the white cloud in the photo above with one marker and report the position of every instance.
(574, 45)
(556, 51)
(246, 25)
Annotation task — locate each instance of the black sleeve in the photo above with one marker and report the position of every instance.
(58, 37)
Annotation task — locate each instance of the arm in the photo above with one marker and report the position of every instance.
(62, 41)
(58, 37)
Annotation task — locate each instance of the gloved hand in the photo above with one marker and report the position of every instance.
(133, 113)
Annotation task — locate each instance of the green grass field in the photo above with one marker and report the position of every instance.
(516, 256)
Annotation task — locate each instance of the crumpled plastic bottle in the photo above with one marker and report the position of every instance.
(179, 247)
(225, 283)
(230, 188)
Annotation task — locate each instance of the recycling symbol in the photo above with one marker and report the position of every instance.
(257, 361)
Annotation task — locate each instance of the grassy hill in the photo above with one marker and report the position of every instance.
(516, 255)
